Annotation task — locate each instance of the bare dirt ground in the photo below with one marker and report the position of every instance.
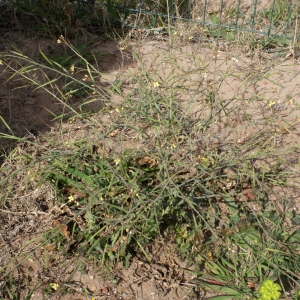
(33, 211)
(29, 111)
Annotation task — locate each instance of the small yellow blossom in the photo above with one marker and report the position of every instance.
(119, 109)
(206, 162)
(134, 192)
(31, 177)
(156, 84)
(85, 78)
(117, 161)
(1, 62)
(54, 286)
(72, 68)
(60, 39)
(71, 199)
(271, 103)
(114, 133)
(191, 38)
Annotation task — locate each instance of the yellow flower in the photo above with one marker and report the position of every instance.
(30, 176)
(204, 161)
(60, 39)
(54, 286)
(271, 103)
(269, 290)
(119, 109)
(134, 192)
(71, 199)
(85, 78)
(72, 68)
(156, 84)
(117, 161)
(114, 133)
(1, 62)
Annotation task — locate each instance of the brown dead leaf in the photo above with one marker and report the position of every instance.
(249, 194)
(50, 247)
(63, 228)
(146, 161)
(252, 284)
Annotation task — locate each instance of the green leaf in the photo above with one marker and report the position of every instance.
(215, 287)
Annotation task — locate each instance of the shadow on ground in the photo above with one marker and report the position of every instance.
(28, 111)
